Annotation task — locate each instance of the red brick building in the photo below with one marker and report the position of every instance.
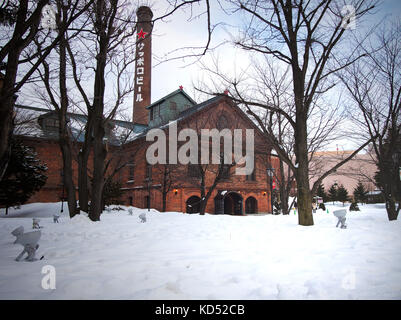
(145, 185)
(142, 183)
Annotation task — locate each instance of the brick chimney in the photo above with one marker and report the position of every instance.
(143, 65)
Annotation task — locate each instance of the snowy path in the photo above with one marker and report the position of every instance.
(179, 256)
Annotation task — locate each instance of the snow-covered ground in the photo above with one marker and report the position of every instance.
(181, 256)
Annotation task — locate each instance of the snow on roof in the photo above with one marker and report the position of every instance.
(375, 192)
(29, 122)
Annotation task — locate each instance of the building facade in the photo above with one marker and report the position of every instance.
(174, 186)
(143, 184)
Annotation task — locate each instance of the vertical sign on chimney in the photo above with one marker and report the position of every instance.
(143, 65)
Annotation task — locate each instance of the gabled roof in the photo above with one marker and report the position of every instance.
(178, 91)
(184, 115)
(197, 108)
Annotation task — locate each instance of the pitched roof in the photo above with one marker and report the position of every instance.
(170, 95)
(184, 115)
(197, 108)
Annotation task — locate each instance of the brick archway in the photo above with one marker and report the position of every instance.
(251, 205)
(193, 204)
(228, 203)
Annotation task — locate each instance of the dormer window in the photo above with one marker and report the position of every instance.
(52, 123)
(49, 123)
(151, 114)
(154, 112)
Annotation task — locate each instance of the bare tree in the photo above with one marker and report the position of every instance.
(22, 28)
(306, 37)
(59, 100)
(167, 173)
(374, 87)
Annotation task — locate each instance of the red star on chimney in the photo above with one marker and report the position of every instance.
(181, 87)
(226, 92)
(142, 34)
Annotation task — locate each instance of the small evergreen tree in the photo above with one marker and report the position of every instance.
(24, 176)
(360, 193)
(332, 193)
(342, 194)
(112, 193)
(321, 192)
(354, 207)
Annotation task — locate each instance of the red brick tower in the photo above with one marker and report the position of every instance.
(143, 65)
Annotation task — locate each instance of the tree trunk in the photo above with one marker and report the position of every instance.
(83, 190)
(305, 217)
(391, 210)
(164, 202)
(166, 186)
(99, 147)
(284, 185)
(202, 207)
(284, 201)
(68, 177)
(64, 138)
(6, 131)
(99, 155)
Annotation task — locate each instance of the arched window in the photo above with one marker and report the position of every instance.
(222, 123)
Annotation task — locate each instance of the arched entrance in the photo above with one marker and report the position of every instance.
(251, 205)
(193, 204)
(228, 203)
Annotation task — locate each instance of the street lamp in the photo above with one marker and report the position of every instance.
(270, 174)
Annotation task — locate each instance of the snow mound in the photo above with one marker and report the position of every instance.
(81, 218)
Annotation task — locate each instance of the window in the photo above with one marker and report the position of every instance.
(131, 169)
(222, 123)
(225, 174)
(154, 112)
(51, 123)
(252, 176)
(148, 173)
(173, 106)
(193, 171)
